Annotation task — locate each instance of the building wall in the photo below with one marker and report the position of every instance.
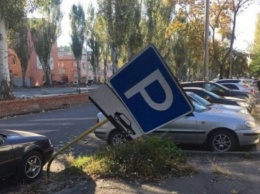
(14, 64)
(63, 68)
(35, 71)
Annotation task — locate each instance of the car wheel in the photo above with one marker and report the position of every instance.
(32, 166)
(222, 141)
(116, 137)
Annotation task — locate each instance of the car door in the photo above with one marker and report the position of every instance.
(182, 130)
(6, 158)
(215, 89)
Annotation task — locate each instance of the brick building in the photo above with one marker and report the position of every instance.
(34, 74)
(63, 68)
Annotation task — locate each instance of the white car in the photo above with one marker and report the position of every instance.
(219, 130)
(239, 87)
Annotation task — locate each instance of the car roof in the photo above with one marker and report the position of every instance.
(194, 88)
(197, 82)
(228, 79)
(231, 83)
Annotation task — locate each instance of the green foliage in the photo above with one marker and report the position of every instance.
(44, 33)
(96, 36)
(255, 52)
(147, 158)
(19, 41)
(78, 26)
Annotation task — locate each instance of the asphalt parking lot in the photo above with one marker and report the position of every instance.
(63, 90)
(240, 174)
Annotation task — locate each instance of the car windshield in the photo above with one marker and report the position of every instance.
(198, 107)
(223, 87)
(198, 99)
(213, 95)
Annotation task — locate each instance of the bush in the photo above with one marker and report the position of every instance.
(147, 158)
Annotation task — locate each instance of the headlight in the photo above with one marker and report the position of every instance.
(50, 142)
(250, 124)
(243, 104)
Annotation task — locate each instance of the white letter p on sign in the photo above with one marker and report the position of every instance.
(140, 88)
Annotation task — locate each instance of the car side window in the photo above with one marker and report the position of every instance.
(207, 87)
(230, 86)
(1, 141)
(201, 94)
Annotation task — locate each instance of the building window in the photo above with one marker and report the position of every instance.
(13, 61)
(39, 65)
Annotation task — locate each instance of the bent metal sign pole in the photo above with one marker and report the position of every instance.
(142, 96)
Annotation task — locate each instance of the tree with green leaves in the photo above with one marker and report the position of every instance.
(45, 32)
(103, 39)
(255, 51)
(223, 22)
(158, 17)
(19, 41)
(78, 27)
(10, 13)
(116, 14)
(223, 18)
(93, 40)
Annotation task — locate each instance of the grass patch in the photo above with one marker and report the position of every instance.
(221, 170)
(147, 158)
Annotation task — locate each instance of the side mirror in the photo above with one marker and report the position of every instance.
(207, 97)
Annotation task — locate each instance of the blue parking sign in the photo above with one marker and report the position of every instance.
(150, 91)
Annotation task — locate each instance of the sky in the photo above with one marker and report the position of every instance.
(245, 29)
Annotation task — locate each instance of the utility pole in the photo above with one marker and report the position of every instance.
(206, 43)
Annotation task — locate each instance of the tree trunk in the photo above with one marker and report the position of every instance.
(221, 69)
(105, 66)
(23, 77)
(5, 81)
(78, 70)
(47, 73)
(114, 58)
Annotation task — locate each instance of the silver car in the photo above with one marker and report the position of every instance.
(208, 104)
(219, 130)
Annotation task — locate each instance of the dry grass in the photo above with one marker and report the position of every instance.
(218, 169)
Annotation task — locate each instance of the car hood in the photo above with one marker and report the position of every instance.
(16, 135)
(231, 108)
(228, 114)
(235, 99)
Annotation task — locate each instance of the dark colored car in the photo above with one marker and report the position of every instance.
(217, 89)
(214, 98)
(23, 154)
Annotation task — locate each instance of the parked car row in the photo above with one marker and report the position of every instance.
(243, 85)
(221, 120)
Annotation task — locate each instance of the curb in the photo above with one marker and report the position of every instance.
(245, 154)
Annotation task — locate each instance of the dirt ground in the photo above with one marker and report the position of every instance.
(232, 174)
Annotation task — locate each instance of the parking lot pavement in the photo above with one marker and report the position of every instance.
(46, 91)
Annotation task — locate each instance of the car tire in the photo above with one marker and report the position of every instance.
(116, 137)
(31, 166)
(222, 141)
